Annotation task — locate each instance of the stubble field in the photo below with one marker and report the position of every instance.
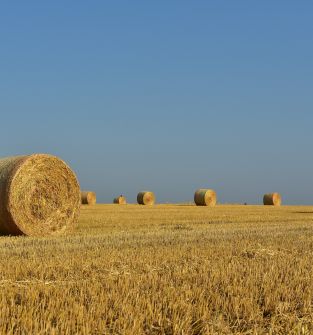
(163, 269)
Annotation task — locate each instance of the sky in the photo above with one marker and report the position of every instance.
(167, 96)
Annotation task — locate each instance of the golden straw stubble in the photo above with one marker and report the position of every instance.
(205, 197)
(88, 198)
(146, 198)
(40, 196)
(272, 199)
(120, 200)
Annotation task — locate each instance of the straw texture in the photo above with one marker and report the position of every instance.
(205, 197)
(146, 198)
(39, 196)
(88, 198)
(120, 200)
(272, 199)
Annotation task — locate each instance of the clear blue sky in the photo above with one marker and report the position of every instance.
(167, 96)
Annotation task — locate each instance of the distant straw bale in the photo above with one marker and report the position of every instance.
(120, 200)
(88, 198)
(146, 198)
(40, 196)
(205, 197)
(272, 199)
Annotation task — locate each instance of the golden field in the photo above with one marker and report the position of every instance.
(165, 269)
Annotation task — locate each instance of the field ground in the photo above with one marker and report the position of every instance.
(164, 269)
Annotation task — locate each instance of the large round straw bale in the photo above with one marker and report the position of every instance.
(39, 196)
(88, 198)
(146, 198)
(272, 199)
(120, 200)
(205, 197)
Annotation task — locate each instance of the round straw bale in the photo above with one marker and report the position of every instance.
(205, 197)
(120, 200)
(146, 198)
(40, 196)
(88, 198)
(272, 199)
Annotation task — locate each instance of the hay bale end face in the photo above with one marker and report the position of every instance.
(40, 196)
(146, 198)
(205, 197)
(88, 198)
(272, 199)
(120, 200)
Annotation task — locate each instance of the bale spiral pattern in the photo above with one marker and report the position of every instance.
(121, 200)
(205, 197)
(272, 199)
(146, 198)
(39, 196)
(88, 198)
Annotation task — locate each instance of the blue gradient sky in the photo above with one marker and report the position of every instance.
(167, 95)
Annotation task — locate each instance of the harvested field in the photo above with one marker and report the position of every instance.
(164, 269)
